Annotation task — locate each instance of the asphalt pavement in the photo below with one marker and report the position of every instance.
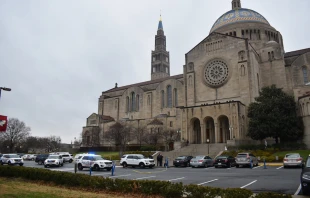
(272, 179)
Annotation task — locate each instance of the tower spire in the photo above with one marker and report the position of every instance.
(160, 23)
(236, 4)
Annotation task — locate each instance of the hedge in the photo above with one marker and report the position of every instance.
(147, 187)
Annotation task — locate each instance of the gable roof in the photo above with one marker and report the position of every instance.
(143, 83)
(296, 53)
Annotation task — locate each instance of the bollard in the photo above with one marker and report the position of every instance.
(265, 164)
(75, 167)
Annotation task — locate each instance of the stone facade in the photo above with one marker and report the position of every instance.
(222, 75)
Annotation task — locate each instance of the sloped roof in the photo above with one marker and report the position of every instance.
(296, 53)
(156, 122)
(107, 118)
(143, 83)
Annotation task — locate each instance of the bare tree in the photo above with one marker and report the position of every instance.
(139, 134)
(154, 137)
(16, 133)
(91, 138)
(169, 136)
(120, 135)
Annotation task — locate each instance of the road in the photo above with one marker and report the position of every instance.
(258, 179)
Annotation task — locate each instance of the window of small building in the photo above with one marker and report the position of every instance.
(305, 74)
(171, 124)
(169, 96)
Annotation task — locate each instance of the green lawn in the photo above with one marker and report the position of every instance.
(303, 153)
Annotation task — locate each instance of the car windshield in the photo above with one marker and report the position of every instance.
(222, 157)
(98, 158)
(65, 155)
(14, 156)
(292, 155)
(53, 157)
(308, 163)
(181, 158)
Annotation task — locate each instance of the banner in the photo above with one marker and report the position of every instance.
(3, 123)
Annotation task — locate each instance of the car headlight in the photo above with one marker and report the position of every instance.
(306, 176)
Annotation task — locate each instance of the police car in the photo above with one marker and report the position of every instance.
(95, 162)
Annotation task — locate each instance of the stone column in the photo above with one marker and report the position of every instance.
(203, 133)
(216, 132)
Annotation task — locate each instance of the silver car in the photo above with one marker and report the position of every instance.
(292, 159)
(201, 161)
(245, 159)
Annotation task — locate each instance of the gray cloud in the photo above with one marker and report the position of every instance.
(58, 56)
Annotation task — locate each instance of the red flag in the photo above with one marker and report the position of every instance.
(3, 123)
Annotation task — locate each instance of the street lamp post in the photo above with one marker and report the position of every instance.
(4, 89)
(208, 141)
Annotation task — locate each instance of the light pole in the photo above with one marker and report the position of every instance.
(208, 141)
(4, 89)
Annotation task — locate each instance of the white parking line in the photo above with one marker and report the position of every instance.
(144, 177)
(280, 167)
(209, 167)
(256, 167)
(228, 168)
(297, 191)
(120, 176)
(207, 182)
(248, 184)
(176, 179)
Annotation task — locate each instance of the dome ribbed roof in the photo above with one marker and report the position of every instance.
(238, 16)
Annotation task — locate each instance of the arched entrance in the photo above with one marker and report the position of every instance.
(210, 130)
(196, 131)
(223, 126)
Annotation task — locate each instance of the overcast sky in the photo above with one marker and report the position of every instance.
(59, 55)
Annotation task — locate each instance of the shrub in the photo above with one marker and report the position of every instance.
(146, 187)
(148, 148)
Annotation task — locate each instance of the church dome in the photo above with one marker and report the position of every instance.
(241, 15)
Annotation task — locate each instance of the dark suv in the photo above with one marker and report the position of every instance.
(41, 158)
(182, 161)
(305, 177)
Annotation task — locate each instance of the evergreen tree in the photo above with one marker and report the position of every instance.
(273, 114)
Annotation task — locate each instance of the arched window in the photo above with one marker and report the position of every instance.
(258, 82)
(133, 101)
(169, 96)
(148, 100)
(305, 74)
(127, 104)
(137, 105)
(175, 97)
(162, 99)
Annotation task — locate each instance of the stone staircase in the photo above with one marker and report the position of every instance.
(194, 150)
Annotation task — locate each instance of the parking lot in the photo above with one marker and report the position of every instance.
(258, 179)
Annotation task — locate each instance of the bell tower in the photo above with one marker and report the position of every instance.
(236, 4)
(160, 57)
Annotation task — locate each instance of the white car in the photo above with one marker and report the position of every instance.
(11, 159)
(96, 162)
(53, 160)
(67, 158)
(134, 160)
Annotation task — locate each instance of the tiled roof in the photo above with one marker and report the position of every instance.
(296, 53)
(156, 122)
(144, 83)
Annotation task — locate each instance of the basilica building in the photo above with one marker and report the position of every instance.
(221, 76)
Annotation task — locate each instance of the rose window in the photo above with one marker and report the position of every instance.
(216, 73)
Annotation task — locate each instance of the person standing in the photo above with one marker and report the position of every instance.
(159, 159)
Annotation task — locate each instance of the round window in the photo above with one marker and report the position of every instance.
(216, 73)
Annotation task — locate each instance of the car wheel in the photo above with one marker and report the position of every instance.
(40, 162)
(9, 163)
(80, 167)
(237, 165)
(70, 161)
(124, 164)
(96, 167)
(142, 165)
(206, 165)
(21, 164)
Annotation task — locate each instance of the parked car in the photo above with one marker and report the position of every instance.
(96, 162)
(305, 177)
(245, 159)
(134, 160)
(41, 158)
(53, 160)
(29, 157)
(182, 161)
(224, 161)
(201, 161)
(11, 159)
(67, 158)
(292, 159)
